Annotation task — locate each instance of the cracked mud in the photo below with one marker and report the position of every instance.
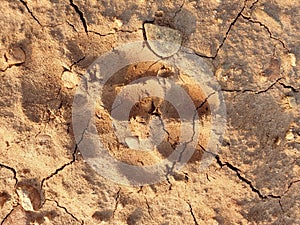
(251, 46)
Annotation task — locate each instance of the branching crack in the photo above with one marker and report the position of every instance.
(30, 12)
(164, 127)
(81, 15)
(229, 29)
(240, 14)
(268, 88)
(226, 34)
(245, 180)
(284, 193)
(171, 169)
(85, 24)
(65, 209)
(66, 164)
(266, 28)
(290, 185)
(61, 168)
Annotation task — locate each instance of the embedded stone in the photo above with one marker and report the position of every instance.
(163, 41)
(70, 80)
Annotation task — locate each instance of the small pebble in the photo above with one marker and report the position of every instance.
(15, 56)
(289, 136)
(70, 80)
(293, 59)
(163, 41)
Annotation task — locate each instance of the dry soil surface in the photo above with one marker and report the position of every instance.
(253, 49)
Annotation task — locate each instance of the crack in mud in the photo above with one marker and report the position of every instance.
(12, 170)
(243, 179)
(229, 29)
(68, 163)
(87, 31)
(148, 208)
(192, 214)
(76, 62)
(130, 31)
(248, 18)
(61, 168)
(69, 68)
(253, 4)
(81, 15)
(5, 218)
(288, 87)
(285, 192)
(179, 10)
(117, 198)
(35, 18)
(166, 131)
(65, 209)
(205, 100)
(99, 34)
(30, 12)
(226, 34)
(289, 186)
(170, 170)
(85, 24)
(281, 207)
(240, 14)
(71, 25)
(268, 88)
(253, 91)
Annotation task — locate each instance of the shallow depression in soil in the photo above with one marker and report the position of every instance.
(154, 123)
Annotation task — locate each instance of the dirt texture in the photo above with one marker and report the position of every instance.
(253, 49)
